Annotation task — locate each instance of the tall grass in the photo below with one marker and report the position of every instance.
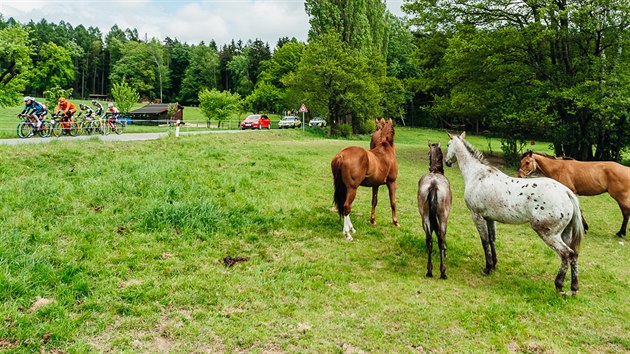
(123, 242)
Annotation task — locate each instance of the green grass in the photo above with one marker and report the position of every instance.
(126, 240)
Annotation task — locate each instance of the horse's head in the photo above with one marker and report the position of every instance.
(386, 133)
(450, 152)
(435, 158)
(528, 164)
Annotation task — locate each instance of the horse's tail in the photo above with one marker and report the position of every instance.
(340, 188)
(575, 226)
(432, 198)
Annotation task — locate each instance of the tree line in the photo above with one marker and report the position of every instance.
(525, 70)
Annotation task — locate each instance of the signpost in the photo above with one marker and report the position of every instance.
(302, 110)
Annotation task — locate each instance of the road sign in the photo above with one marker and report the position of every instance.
(303, 108)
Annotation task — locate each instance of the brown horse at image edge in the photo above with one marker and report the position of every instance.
(585, 178)
(355, 166)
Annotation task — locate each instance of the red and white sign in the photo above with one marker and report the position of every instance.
(303, 108)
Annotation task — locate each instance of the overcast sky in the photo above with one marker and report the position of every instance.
(189, 21)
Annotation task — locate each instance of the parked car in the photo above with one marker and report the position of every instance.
(256, 121)
(289, 122)
(317, 122)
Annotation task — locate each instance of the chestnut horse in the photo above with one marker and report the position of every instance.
(434, 205)
(355, 166)
(550, 208)
(377, 132)
(584, 178)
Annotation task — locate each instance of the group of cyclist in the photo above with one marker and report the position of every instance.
(66, 110)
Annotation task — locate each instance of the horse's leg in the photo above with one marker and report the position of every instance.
(441, 235)
(347, 208)
(574, 274)
(482, 227)
(624, 205)
(374, 202)
(391, 186)
(429, 241)
(566, 255)
(492, 233)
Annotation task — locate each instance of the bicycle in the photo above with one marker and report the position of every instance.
(86, 125)
(27, 127)
(116, 125)
(61, 127)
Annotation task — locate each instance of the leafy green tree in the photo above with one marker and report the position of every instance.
(284, 61)
(124, 95)
(339, 82)
(53, 94)
(15, 63)
(202, 73)
(265, 98)
(239, 68)
(137, 66)
(556, 66)
(54, 67)
(362, 24)
(215, 104)
(178, 55)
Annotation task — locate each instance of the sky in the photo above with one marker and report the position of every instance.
(190, 21)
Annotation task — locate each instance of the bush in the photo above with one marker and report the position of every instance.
(343, 130)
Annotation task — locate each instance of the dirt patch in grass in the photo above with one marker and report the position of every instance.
(39, 303)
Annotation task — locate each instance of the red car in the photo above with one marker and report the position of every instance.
(256, 121)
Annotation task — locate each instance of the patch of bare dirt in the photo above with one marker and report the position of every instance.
(39, 303)
(130, 282)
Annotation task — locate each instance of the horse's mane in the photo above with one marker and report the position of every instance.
(475, 153)
(543, 154)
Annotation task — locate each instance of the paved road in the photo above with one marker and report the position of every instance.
(114, 137)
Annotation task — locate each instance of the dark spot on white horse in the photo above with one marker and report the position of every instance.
(520, 193)
(525, 186)
(534, 185)
(509, 192)
(561, 215)
(542, 208)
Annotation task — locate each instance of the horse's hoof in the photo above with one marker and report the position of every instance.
(568, 293)
(486, 271)
(429, 275)
(620, 234)
(443, 276)
(373, 222)
(352, 230)
(348, 236)
(396, 224)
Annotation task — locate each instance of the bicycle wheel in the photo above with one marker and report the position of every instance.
(120, 127)
(57, 130)
(24, 129)
(45, 130)
(88, 127)
(74, 129)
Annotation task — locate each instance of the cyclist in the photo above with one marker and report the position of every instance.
(99, 108)
(66, 109)
(114, 113)
(37, 110)
(88, 113)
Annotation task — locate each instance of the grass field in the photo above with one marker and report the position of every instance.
(118, 246)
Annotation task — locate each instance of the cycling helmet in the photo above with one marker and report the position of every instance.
(62, 99)
(28, 98)
(81, 105)
(110, 105)
(93, 101)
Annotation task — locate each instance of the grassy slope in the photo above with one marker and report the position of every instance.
(126, 239)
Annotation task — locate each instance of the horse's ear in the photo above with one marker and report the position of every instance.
(449, 135)
(529, 153)
(429, 144)
(462, 135)
(391, 121)
(439, 145)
